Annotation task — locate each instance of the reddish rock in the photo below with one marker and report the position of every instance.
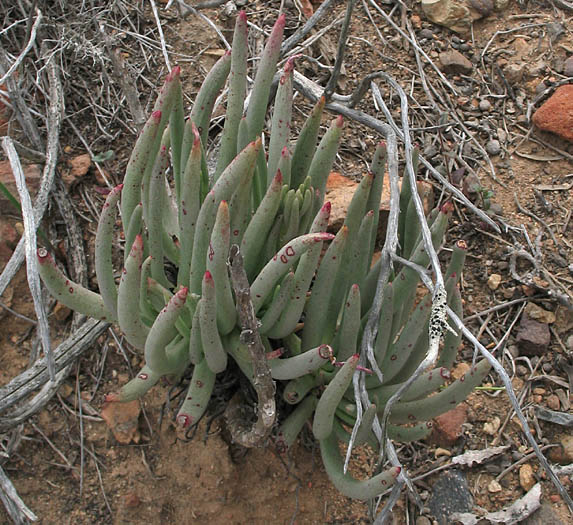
(448, 427)
(556, 115)
(533, 338)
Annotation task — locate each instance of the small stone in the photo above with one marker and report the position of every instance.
(570, 343)
(422, 520)
(494, 487)
(416, 21)
(484, 105)
(460, 370)
(493, 147)
(553, 402)
(513, 350)
(556, 114)
(514, 72)
(450, 494)
(426, 33)
(494, 281)
(537, 313)
(502, 265)
(448, 427)
(454, 62)
(568, 67)
(533, 337)
(492, 426)
(521, 370)
(563, 454)
(131, 500)
(526, 478)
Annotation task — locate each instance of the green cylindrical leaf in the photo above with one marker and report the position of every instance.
(331, 397)
(215, 354)
(103, 244)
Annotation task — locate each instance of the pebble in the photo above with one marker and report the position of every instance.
(570, 343)
(526, 478)
(494, 487)
(539, 314)
(568, 67)
(422, 520)
(450, 494)
(484, 105)
(493, 147)
(533, 337)
(513, 350)
(491, 427)
(521, 370)
(553, 402)
(494, 281)
(426, 33)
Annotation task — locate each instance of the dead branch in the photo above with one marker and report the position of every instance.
(262, 380)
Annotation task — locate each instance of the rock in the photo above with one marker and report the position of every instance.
(492, 426)
(514, 71)
(533, 337)
(450, 494)
(448, 13)
(340, 189)
(447, 428)
(563, 454)
(568, 67)
(484, 105)
(543, 516)
(537, 313)
(553, 402)
(493, 147)
(416, 21)
(494, 487)
(131, 500)
(494, 281)
(454, 62)
(122, 419)
(426, 33)
(556, 114)
(422, 520)
(526, 477)
(570, 343)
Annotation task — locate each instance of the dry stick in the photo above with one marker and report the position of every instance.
(30, 248)
(124, 78)
(185, 10)
(30, 380)
(295, 38)
(312, 91)
(262, 380)
(161, 37)
(510, 393)
(333, 80)
(26, 49)
(14, 505)
(54, 120)
(414, 44)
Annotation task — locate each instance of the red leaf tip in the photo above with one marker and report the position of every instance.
(208, 276)
(156, 115)
(243, 16)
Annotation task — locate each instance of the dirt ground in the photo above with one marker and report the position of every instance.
(68, 467)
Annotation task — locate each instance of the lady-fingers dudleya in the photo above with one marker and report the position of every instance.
(177, 211)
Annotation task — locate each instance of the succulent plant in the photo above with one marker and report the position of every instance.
(270, 202)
